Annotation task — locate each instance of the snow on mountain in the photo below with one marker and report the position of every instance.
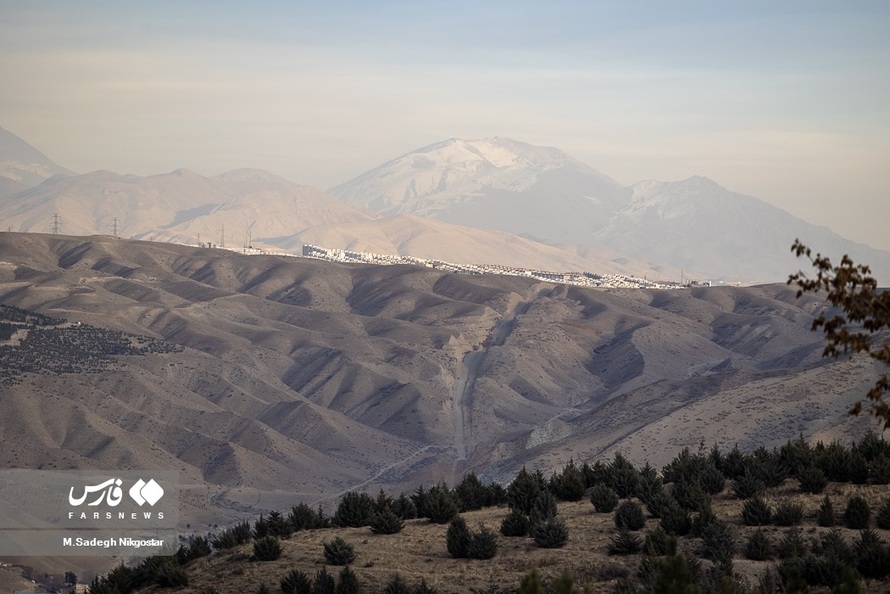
(540, 192)
(494, 183)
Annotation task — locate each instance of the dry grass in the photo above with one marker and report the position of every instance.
(419, 550)
(11, 579)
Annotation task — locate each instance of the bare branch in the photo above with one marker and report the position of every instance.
(850, 288)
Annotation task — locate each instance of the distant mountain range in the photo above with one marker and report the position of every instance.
(491, 201)
(544, 194)
(255, 207)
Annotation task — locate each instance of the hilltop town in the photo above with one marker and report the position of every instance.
(581, 279)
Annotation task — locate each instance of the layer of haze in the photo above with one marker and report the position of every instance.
(789, 102)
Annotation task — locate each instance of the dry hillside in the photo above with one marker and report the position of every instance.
(285, 379)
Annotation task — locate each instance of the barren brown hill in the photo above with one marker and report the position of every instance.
(180, 206)
(286, 379)
(249, 206)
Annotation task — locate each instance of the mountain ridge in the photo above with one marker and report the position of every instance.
(22, 166)
(327, 373)
(694, 224)
(251, 206)
(462, 177)
(531, 206)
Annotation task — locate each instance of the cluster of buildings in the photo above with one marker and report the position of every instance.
(583, 279)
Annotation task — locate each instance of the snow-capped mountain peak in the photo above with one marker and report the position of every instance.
(486, 182)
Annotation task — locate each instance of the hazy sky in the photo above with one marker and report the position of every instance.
(786, 101)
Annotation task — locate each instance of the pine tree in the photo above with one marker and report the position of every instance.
(396, 585)
(266, 548)
(812, 479)
(296, 582)
(718, 543)
(385, 522)
(712, 480)
(791, 545)
(439, 506)
(260, 528)
(704, 518)
(672, 575)
(383, 502)
(883, 517)
(676, 521)
(629, 516)
(748, 485)
(788, 514)
(515, 524)
(324, 582)
(471, 494)
(551, 534)
(531, 584)
(622, 476)
(759, 546)
(347, 582)
(825, 517)
(339, 552)
(858, 513)
(625, 543)
(872, 555)
(277, 525)
(483, 544)
(568, 485)
(523, 492)
(405, 508)
(354, 510)
(756, 512)
(656, 543)
(603, 498)
(457, 539)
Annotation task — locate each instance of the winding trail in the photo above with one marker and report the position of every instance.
(376, 476)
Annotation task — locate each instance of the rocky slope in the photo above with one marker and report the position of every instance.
(296, 379)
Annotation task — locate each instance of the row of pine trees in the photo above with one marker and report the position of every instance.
(675, 500)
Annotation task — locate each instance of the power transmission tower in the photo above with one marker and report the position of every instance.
(222, 237)
(114, 227)
(56, 224)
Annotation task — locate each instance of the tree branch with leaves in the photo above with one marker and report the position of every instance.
(862, 310)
